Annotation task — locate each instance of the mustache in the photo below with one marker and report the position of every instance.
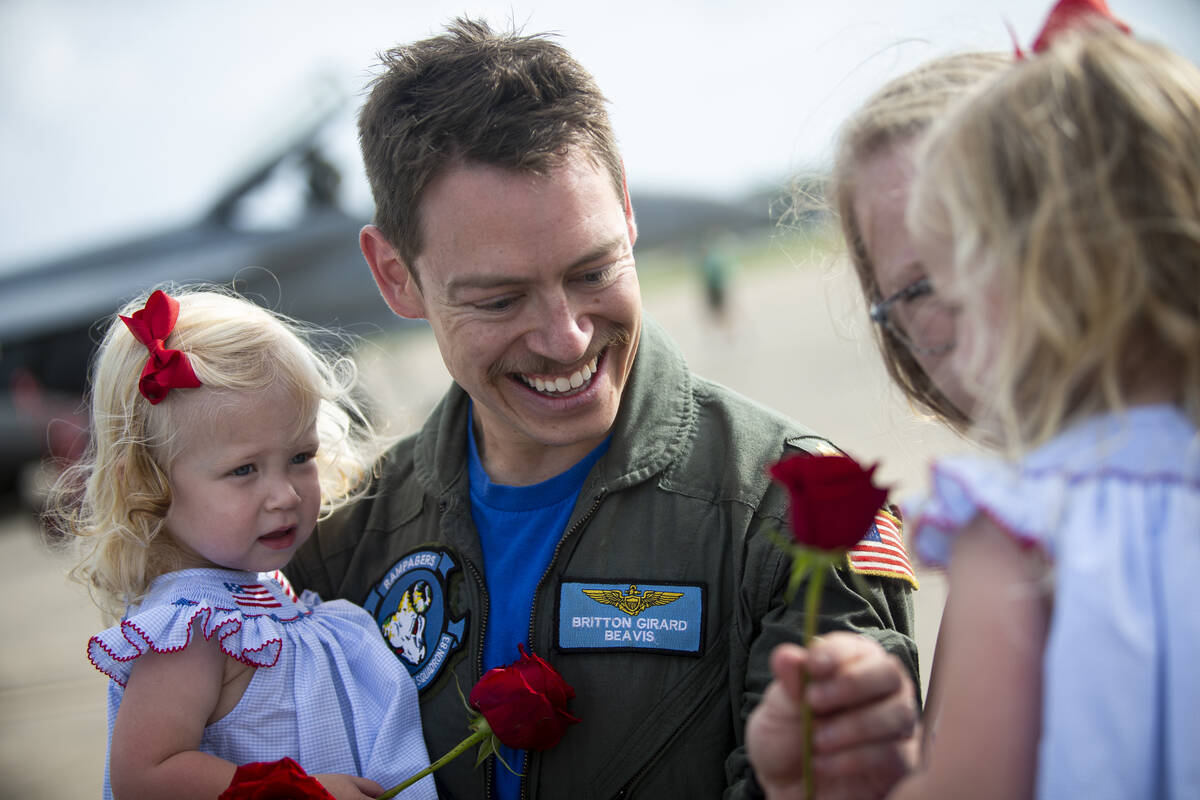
(615, 336)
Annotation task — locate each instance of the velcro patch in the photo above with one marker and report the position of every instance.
(881, 552)
(412, 608)
(630, 616)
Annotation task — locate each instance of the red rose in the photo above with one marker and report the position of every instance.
(833, 501)
(274, 780)
(525, 703)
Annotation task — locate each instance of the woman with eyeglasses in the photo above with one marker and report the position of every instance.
(869, 187)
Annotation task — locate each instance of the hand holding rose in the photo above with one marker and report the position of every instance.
(865, 712)
(523, 705)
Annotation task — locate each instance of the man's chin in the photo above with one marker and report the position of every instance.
(582, 433)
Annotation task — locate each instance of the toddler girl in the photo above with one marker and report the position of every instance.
(218, 438)
(1058, 212)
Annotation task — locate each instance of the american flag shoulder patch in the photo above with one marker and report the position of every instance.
(881, 552)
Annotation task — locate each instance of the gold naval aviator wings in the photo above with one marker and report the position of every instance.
(632, 601)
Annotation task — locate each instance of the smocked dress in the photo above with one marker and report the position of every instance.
(326, 691)
(1114, 502)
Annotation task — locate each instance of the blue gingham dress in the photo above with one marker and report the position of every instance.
(1114, 502)
(327, 691)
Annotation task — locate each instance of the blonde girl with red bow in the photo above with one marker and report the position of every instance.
(219, 436)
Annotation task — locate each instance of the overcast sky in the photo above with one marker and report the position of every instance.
(124, 116)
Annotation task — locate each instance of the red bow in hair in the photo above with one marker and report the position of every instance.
(165, 369)
(1067, 14)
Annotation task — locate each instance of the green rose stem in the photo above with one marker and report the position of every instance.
(810, 563)
(483, 732)
(833, 502)
(812, 602)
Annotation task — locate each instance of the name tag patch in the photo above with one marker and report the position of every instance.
(630, 616)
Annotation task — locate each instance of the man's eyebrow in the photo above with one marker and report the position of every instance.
(493, 280)
(482, 281)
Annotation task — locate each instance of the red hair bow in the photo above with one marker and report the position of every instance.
(1068, 14)
(165, 369)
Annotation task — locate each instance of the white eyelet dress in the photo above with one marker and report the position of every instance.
(1115, 504)
(327, 690)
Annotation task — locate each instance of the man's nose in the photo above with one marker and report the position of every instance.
(560, 332)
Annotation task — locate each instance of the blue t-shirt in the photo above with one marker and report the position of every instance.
(519, 527)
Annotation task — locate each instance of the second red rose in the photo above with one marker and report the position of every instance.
(525, 703)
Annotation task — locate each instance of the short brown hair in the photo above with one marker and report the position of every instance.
(471, 95)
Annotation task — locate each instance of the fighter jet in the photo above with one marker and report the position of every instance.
(297, 255)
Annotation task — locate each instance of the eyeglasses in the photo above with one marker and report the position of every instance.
(918, 318)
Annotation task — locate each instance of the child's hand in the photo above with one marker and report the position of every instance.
(349, 787)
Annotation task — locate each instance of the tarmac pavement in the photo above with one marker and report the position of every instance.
(794, 338)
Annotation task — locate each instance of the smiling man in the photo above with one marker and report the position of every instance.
(578, 490)
(529, 284)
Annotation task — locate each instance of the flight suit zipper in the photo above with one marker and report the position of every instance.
(484, 611)
(541, 581)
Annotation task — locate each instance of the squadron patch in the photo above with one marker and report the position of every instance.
(630, 616)
(411, 608)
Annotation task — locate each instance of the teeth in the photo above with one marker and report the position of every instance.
(561, 384)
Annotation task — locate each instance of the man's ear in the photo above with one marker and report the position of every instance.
(393, 277)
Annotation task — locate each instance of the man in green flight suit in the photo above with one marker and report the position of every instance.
(578, 490)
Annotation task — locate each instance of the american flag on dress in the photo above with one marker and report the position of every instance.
(881, 551)
(252, 595)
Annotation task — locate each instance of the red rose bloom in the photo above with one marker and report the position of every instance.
(525, 703)
(274, 780)
(833, 501)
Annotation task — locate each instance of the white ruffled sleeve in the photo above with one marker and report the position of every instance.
(1028, 505)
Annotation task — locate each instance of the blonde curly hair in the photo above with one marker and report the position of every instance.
(111, 506)
(1069, 191)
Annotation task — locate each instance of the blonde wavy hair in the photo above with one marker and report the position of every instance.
(895, 116)
(1070, 191)
(111, 506)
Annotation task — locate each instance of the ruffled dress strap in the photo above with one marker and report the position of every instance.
(244, 611)
(1035, 498)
